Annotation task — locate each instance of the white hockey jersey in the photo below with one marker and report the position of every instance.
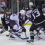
(15, 18)
(28, 14)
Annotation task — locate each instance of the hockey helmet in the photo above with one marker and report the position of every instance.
(30, 3)
(22, 12)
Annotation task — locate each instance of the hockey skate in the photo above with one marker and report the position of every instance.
(11, 35)
(17, 34)
(30, 41)
(2, 31)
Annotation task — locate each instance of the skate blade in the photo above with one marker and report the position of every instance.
(30, 42)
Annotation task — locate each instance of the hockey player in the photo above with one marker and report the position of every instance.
(22, 19)
(29, 10)
(28, 14)
(5, 21)
(38, 20)
(14, 22)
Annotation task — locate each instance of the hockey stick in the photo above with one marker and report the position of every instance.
(21, 38)
(17, 36)
(24, 25)
(25, 32)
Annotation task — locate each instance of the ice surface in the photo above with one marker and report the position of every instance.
(5, 40)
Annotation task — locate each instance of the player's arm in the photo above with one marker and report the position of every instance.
(27, 14)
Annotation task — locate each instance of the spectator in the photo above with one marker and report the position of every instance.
(24, 7)
(4, 5)
(21, 3)
(2, 10)
(8, 3)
